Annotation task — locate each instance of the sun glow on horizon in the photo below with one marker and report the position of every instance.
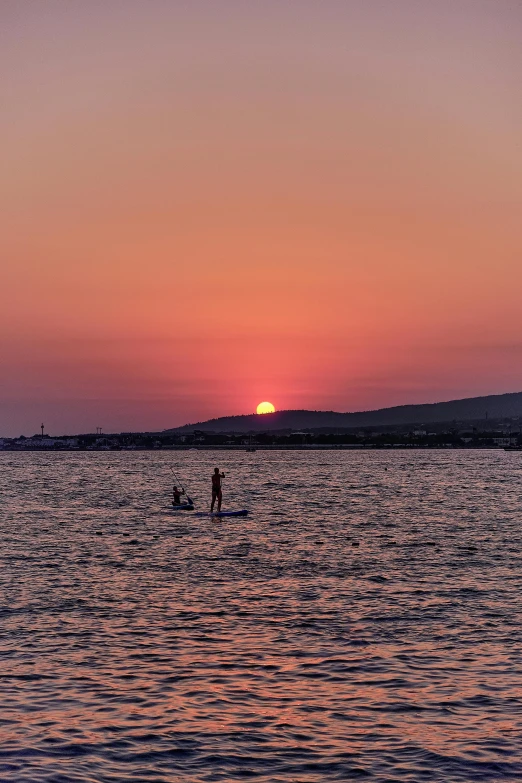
(315, 200)
(265, 407)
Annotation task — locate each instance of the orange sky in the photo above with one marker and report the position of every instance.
(209, 204)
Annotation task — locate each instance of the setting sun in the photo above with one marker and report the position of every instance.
(265, 407)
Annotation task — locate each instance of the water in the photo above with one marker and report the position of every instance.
(363, 622)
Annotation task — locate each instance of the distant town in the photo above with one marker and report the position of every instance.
(483, 434)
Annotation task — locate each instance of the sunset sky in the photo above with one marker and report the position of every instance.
(211, 203)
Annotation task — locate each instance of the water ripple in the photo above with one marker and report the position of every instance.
(375, 636)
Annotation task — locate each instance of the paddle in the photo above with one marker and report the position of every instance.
(181, 485)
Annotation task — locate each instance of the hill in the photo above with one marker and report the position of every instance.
(496, 406)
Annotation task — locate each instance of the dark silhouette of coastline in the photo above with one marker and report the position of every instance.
(480, 422)
(498, 406)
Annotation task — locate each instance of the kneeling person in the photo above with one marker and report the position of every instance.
(176, 496)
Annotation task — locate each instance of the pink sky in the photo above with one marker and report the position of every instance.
(209, 204)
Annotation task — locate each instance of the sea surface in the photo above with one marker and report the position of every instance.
(362, 623)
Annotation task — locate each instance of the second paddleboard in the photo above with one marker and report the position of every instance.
(241, 513)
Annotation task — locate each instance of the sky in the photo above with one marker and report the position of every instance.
(211, 203)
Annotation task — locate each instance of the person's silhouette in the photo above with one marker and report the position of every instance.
(217, 493)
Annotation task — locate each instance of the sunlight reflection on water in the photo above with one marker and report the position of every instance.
(363, 621)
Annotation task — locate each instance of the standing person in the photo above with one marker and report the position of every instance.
(216, 489)
(176, 495)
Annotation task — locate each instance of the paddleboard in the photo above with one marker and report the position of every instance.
(182, 507)
(241, 513)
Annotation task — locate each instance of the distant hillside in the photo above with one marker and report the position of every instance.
(495, 406)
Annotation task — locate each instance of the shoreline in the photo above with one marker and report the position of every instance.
(267, 447)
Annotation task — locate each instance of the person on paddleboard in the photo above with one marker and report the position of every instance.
(176, 495)
(216, 489)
